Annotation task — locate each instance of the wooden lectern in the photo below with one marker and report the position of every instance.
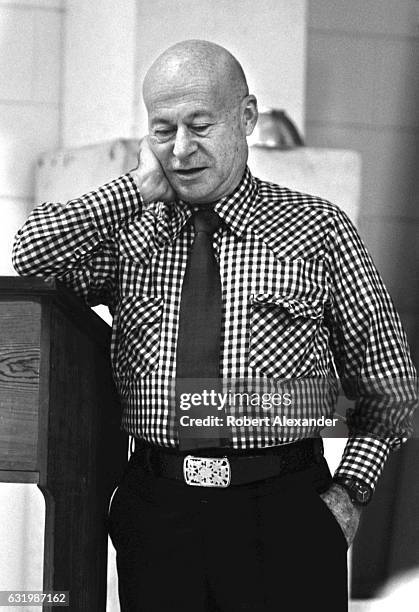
(59, 427)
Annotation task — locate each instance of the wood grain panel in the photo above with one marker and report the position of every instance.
(19, 322)
(19, 383)
(19, 366)
(18, 428)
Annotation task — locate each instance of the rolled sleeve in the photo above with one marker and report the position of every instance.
(75, 242)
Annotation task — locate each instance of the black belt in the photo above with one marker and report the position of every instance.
(213, 468)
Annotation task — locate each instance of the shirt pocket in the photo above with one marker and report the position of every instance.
(139, 328)
(283, 333)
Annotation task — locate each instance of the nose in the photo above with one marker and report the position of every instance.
(184, 143)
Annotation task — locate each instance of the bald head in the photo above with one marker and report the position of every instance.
(199, 116)
(194, 62)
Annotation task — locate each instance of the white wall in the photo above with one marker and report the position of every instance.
(30, 69)
(22, 518)
(99, 61)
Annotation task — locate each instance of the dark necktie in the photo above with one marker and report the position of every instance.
(198, 346)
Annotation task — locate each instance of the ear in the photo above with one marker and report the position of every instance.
(249, 113)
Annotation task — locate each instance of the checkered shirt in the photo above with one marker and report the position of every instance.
(302, 301)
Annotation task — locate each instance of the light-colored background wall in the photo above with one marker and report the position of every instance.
(30, 85)
(99, 50)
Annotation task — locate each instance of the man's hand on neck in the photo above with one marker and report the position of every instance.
(150, 178)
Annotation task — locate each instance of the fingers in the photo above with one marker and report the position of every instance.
(147, 161)
(344, 511)
(149, 176)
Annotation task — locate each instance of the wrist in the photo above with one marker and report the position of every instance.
(358, 491)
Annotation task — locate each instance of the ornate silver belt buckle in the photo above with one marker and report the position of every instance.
(207, 471)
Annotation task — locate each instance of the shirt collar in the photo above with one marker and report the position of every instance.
(234, 209)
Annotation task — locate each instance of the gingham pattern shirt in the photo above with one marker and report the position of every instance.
(301, 299)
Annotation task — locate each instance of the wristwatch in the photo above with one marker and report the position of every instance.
(359, 492)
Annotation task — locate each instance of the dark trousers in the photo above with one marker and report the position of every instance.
(264, 547)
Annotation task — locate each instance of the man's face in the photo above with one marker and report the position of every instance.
(198, 134)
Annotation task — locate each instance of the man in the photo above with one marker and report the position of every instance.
(213, 277)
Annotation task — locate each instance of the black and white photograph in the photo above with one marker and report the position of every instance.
(209, 305)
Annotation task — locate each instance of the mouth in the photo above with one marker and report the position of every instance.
(189, 173)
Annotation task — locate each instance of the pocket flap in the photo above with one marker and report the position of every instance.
(296, 307)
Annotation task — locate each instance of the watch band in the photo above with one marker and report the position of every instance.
(359, 492)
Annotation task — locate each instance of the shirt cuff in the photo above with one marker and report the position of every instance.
(364, 458)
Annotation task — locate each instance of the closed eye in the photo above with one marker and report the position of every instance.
(201, 128)
(162, 133)
(166, 131)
